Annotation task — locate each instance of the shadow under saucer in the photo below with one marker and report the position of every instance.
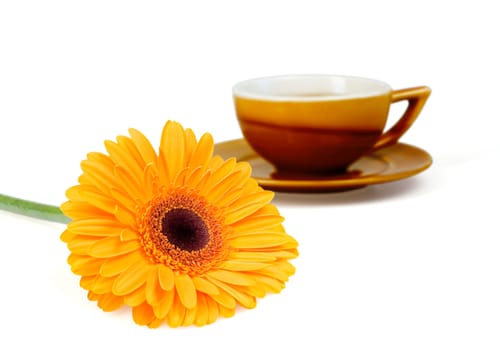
(375, 193)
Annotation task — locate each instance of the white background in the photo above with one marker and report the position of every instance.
(413, 264)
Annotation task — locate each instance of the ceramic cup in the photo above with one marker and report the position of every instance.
(317, 125)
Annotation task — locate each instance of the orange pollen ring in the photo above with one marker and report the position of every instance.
(180, 229)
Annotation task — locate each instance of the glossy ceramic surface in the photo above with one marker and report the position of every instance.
(319, 125)
(391, 163)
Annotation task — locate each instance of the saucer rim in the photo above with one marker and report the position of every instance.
(328, 184)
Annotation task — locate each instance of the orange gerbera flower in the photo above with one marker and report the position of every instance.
(181, 237)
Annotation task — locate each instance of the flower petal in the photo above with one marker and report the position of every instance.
(281, 253)
(125, 217)
(81, 244)
(109, 302)
(151, 181)
(162, 308)
(272, 285)
(101, 175)
(136, 298)
(99, 227)
(281, 271)
(116, 265)
(224, 299)
(128, 235)
(248, 205)
(175, 316)
(124, 199)
(131, 279)
(101, 158)
(172, 148)
(258, 223)
(123, 159)
(243, 299)
(156, 323)
(252, 256)
(190, 145)
(226, 185)
(201, 318)
(197, 178)
(143, 314)
(258, 241)
(202, 152)
(84, 265)
(129, 146)
(165, 277)
(189, 317)
(218, 174)
(231, 277)
(102, 285)
(154, 292)
(97, 200)
(81, 210)
(143, 146)
(202, 285)
(224, 312)
(133, 186)
(86, 282)
(213, 308)
(112, 246)
(180, 179)
(185, 290)
(242, 265)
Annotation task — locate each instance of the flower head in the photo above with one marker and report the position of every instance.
(179, 236)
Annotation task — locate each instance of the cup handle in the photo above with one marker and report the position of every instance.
(416, 96)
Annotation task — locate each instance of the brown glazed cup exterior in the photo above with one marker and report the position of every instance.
(317, 125)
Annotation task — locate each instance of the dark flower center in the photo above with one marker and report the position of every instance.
(185, 229)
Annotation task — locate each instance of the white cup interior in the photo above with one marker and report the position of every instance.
(309, 87)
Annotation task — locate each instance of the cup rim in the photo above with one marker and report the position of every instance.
(249, 88)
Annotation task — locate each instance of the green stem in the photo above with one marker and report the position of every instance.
(32, 209)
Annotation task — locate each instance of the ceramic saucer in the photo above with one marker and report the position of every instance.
(392, 163)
